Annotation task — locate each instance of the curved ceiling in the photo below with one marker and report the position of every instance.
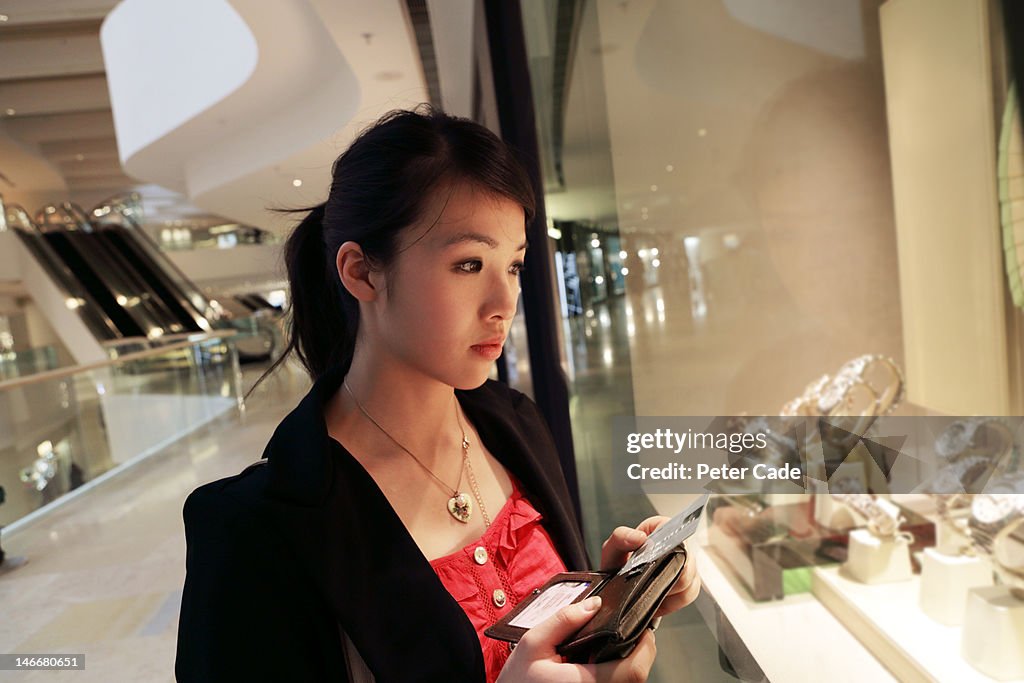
(270, 140)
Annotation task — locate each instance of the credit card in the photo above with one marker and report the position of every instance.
(668, 536)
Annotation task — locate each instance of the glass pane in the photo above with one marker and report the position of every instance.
(749, 194)
(60, 432)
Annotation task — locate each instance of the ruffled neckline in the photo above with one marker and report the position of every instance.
(501, 535)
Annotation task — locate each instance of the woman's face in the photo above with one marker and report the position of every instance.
(452, 291)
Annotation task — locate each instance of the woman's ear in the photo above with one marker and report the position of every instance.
(355, 272)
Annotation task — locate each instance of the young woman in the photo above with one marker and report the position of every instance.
(407, 503)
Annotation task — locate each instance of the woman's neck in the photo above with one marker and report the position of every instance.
(409, 408)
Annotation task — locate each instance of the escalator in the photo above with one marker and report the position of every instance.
(117, 219)
(116, 284)
(124, 288)
(94, 304)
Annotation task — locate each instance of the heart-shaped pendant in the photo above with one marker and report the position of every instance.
(460, 507)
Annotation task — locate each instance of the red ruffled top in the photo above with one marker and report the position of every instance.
(518, 556)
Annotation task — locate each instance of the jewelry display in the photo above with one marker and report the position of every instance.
(995, 528)
(868, 385)
(959, 476)
(881, 553)
(974, 451)
(459, 505)
(883, 518)
(945, 581)
(957, 437)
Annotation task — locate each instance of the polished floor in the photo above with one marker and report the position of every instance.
(104, 572)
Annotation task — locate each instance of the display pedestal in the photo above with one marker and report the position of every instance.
(886, 618)
(831, 514)
(773, 551)
(945, 581)
(993, 636)
(872, 559)
(951, 534)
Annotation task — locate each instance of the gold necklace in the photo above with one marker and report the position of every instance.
(459, 505)
(469, 468)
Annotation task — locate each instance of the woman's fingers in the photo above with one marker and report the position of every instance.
(684, 591)
(623, 540)
(652, 523)
(633, 669)
(547, 635)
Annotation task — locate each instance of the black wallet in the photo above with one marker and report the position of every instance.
(629, 596)
(628, 604)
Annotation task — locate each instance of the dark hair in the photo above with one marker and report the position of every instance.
(381, 185)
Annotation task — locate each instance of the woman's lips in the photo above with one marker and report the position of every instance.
(488, 351)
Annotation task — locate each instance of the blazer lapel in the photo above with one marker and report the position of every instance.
(359, 555)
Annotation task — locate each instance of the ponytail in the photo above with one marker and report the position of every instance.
(323, 315)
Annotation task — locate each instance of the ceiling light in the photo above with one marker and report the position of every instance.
(4, 17)
(656, 262)
(10, 112)
(595, 243)
(702, 132)
(654, 252)
(670, 168)
(654, 188)
(79, 157)
(623, 254)
(625, 271)
(297, 183)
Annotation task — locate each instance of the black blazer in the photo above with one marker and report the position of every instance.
(282, 553)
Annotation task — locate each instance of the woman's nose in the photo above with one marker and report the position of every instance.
(504, 297)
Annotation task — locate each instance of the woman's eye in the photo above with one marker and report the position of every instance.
(517, 268)
(472, 266)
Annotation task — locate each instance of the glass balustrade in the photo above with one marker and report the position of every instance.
(64, 429)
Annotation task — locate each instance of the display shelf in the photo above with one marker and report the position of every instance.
(888, 620)
(793, 639)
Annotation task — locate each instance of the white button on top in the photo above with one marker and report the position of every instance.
(499, 597)
(480, 555)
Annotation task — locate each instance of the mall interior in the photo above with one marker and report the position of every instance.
(755, 210)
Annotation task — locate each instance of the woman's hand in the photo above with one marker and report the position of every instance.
(535, 658)
(624, 540)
